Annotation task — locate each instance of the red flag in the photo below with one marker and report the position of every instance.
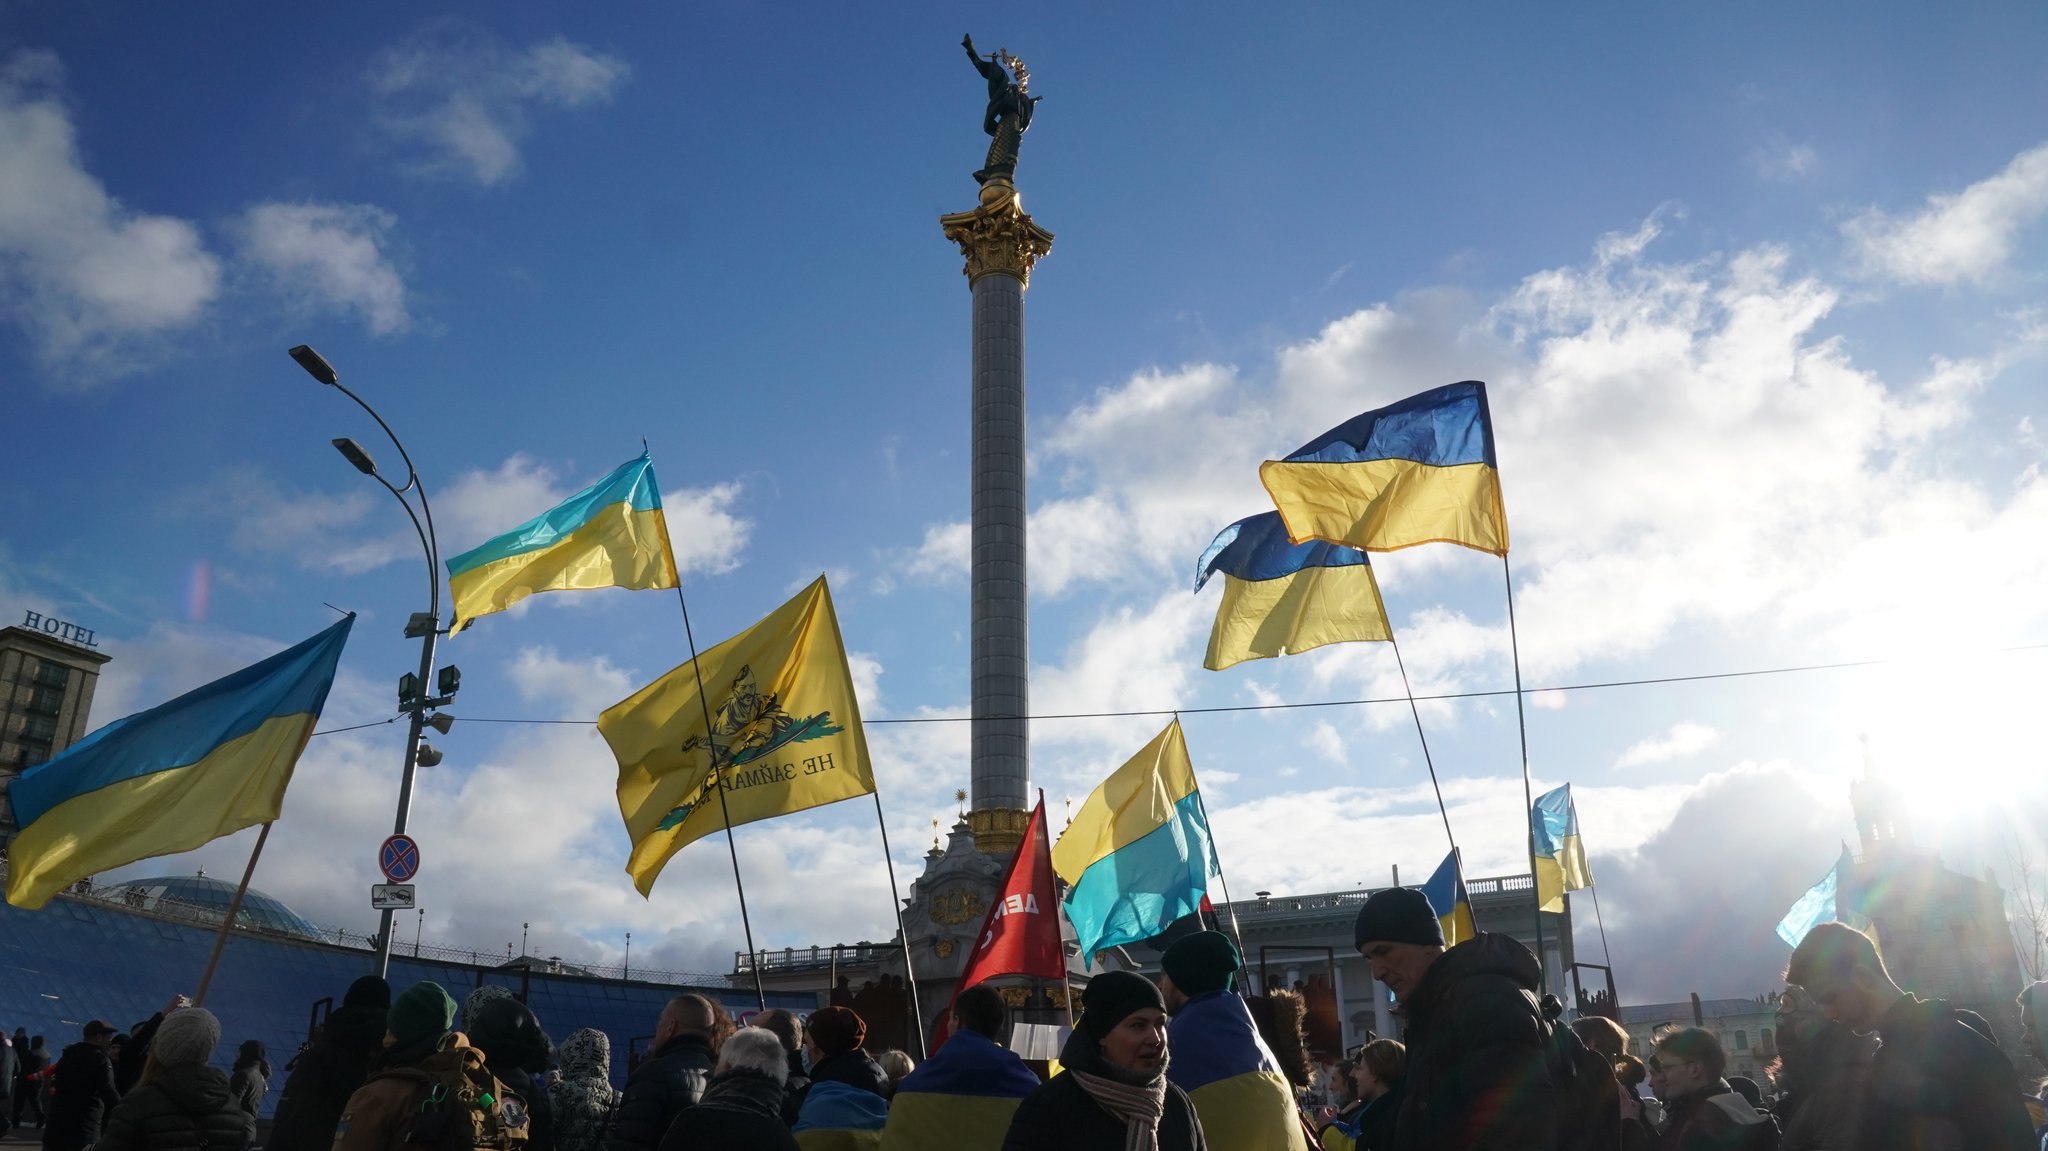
(1021, 933)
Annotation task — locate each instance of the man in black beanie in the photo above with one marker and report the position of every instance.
(1112, 1091)
(1479, 1073)
(322, 1079)
(1219, 1058)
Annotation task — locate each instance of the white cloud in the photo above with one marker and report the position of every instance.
(463, 100)
(88, 278)
(707, 534)
(1780, 160)
(1958, 236)
(944, 552)
(328, 256)
(1683, 741)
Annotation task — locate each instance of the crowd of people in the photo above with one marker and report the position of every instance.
(1185, 1063)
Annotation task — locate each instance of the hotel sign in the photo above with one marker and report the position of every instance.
(62, 629)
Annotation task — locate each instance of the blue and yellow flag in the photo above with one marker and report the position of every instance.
(1832, 900)
(961, 1099)
(838, 1116)
(1137, 855)
(1448, 898)
(1231, 1076)
(1560, 857)
(182, 774)
(785, 734)
(1280, 597)
(610, 534)
(1414, 472)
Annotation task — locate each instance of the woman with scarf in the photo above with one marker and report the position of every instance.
(1112, 1093)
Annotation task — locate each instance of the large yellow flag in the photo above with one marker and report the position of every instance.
(785, 735)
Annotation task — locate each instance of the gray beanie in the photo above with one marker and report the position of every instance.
(186, 1038)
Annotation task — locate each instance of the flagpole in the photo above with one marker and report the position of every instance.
(1602, 921)
(1426, 760)
(896, 900)
(1528, 793)
(718, 785)
(220, 941)
(1215, 856)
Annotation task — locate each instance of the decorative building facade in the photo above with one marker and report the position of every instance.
(48, 672)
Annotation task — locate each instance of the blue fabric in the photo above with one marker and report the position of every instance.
(835, 1106)
(183, 731)
(1443, 427)
(1556, 818)
(1134, 892)
(1811, 910)
(1257, 548)
(631, 483)
(970, 1063)
(1213, 1037)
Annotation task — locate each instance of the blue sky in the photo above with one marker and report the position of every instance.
(1757, 293)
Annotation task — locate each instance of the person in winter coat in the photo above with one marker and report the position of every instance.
(517, 1051)
(1218, 1055)
(1824, 1069)
(179, 1103)
(1112, 1092)
(1376, 1076)
(251, 1077)
(1703, 1113)
(742, 1107)
(84, 1078)
(28, 1087)
(327, 1073)
(1609, 1040)
(847, 1104)
(964, 1097)
(10, 1070)
(134, 1054)
(1478, 1049)
(674, 1074)
(582, 1100)
(784, 1025)
(422, 1057)
(1934, 1082)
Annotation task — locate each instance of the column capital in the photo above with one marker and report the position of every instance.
(998, 237)
(998, 830)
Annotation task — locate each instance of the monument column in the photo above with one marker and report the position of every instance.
(1000, 243)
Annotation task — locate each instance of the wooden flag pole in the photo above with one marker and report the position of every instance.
(220, 941)
(1528, 793)
(909, 977)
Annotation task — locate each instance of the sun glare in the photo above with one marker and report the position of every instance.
(1961, 737)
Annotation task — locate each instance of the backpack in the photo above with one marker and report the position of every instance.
(463, 1108)
(1588, 1103)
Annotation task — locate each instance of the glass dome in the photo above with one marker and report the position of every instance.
(258, 910)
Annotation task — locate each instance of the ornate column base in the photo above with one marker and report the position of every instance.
(998, 831)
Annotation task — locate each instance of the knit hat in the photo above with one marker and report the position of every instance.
(369, 991)
(1398, 915)
(186, 1038)
(1204, 961)
(509, 1035)
(837, 1030)
(422, 1011)
(1113, 995)
(476, 1000)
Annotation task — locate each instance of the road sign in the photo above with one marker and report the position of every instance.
(399, 858)
(391, 897)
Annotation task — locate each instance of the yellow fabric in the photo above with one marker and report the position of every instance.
(1336, 1140)
(619, 547)
(1386, 505)
(768, 685)
(1567, 872)
(1259, 619)
(238, 784)
(924, 1121)
(1136, 800)
(1457, 926)
(1249, 1112)
(838, 1139)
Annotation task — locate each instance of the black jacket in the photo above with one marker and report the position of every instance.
(516, 1049)
(1062, 1116)
(85, 1089)
(182, 1109)
(1936, 1083)
(740, 1111)
(135, 1054)
(318, 1086)
(1478, 1074)
(658, 1090)
(10, 1070)
(793, 1089)
(1715, 1118)
(855, 1068)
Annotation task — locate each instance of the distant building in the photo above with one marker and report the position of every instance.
(47, 677)
(1744, 1027)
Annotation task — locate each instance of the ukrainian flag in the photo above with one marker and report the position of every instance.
(1448, 898)
(610, 534)
(1560, 857)
(1137, 855)
(1280, 597)
(1242, 1099)
(182, 774)
(785, 734)
(840, 1117)
(1414, 472)
(961, 1099)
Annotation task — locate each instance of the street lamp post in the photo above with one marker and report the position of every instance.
(424, 626)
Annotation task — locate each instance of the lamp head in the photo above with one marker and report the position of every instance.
(428, 755)
(353, 452)
(316, 366)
